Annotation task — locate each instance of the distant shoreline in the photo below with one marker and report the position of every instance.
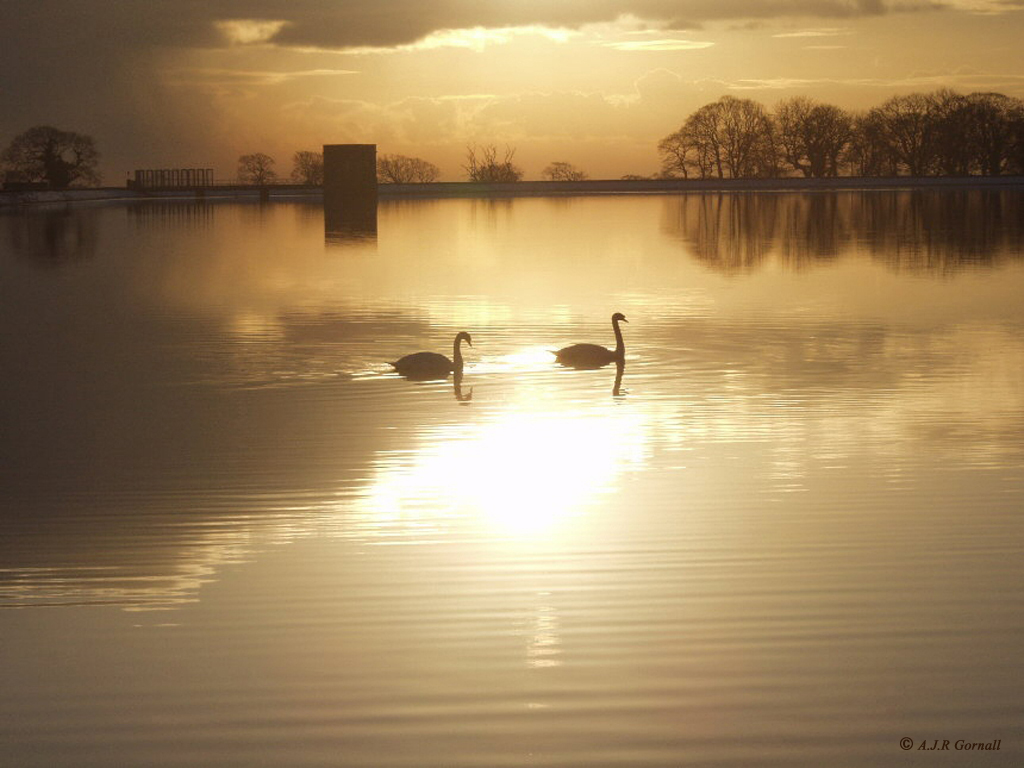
(455, 189)
(683, 186)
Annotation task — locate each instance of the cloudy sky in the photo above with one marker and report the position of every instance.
(185, 83)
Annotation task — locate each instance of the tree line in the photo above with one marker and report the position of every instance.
(51, 158)
(308, 169)
(484, 164)
(942, 133)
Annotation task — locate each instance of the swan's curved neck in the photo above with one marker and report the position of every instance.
(620, 346)
(457, 354)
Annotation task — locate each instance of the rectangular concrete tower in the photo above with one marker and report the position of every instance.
(350, 188)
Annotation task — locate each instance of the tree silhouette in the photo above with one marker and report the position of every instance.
(727, 138)
(939, 133)
(975, 132)
(399, 169)
(487, 168)
(869, 154)
(748, 138)
(908, 127)
(812, 137)
(308, 168)
(58, 158)
(256, 169)
(563, 171)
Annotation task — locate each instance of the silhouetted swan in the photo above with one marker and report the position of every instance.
(594, 355)
(423, 366)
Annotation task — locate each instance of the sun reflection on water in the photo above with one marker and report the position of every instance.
(543, 640)
(522, 474)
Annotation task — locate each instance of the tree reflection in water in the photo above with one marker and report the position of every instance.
(52, 237)
(940, 231)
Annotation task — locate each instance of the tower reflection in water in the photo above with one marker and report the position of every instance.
(347, 220)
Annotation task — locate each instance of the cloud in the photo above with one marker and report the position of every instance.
(212, 76)
(961, 79)
(669, 44)
(772, 84)
(820, 32)
(247, 31)
(370, 23)
(404, 22)
(475, 39)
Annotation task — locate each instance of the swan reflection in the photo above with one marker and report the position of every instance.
(620, 368)
(462, 397)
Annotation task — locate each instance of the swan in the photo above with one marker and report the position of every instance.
(422, 366)
(594, 355)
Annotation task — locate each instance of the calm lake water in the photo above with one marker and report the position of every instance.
(793, 535)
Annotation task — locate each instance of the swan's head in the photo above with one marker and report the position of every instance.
(463, 336)
(618, 316)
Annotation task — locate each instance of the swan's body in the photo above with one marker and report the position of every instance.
(423, 366)
(594, 355)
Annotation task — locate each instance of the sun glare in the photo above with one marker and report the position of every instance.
(525, 474)
(478, 38)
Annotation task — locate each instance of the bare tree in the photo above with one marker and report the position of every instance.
(812, 137)
(256, 169)
(727, 138)
(995, 119)
(58, 158)
(308, 168)
(486, 167)
(748, 138)
(696, 146)
(563, 171)
(676, 152)
(704, 129)
(1015, 155)
(399, 169)
(908, 130)
(868, 153)
(953, 118)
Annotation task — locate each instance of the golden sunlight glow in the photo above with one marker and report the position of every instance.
(479, 38)
(475, 39)
(524, 474)
(519, 361)
(249, 31)
(819, 32)
(252, 326)
(544, 646)
(668, 44)
(595, 84)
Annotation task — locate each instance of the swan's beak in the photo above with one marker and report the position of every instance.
(625, 320)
